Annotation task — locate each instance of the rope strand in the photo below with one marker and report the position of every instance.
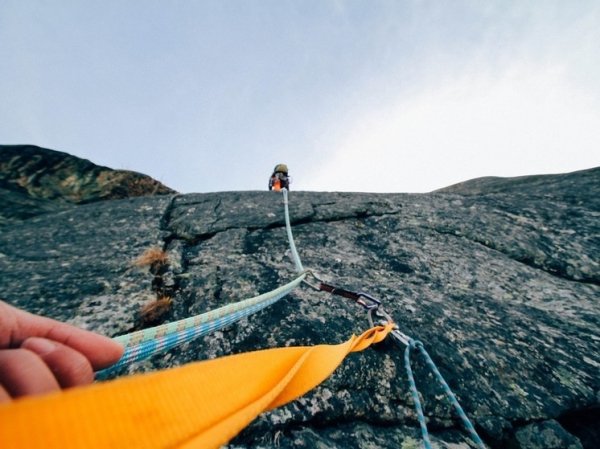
(145, 343)
(449, 395)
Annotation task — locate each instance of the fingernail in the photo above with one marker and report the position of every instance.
(40, 346)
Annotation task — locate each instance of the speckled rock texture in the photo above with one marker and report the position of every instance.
(502, 287)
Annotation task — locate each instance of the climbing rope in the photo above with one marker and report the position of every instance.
(416, 344)
(415, 396)
(373, 306)
(288, 229)
(145, 343)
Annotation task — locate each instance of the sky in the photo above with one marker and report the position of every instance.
(357, 95)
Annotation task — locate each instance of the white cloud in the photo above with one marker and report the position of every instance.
(526, 120)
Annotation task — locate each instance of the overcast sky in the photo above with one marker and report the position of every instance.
(360, 95)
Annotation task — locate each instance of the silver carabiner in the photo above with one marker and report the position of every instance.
(313, 286)
(396, 333)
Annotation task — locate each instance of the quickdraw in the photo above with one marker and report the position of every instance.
(373, 306)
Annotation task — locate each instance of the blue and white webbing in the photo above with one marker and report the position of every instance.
(147, 342)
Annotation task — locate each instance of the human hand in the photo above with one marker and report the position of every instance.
(39, 355)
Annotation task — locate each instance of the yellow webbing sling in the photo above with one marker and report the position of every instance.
(200, 405)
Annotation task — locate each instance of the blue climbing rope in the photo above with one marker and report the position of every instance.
(145, 343)
(416, 344)
(415, 396)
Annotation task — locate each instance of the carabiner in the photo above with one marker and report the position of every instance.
(396, 333)
(371, 303)
(311, 285)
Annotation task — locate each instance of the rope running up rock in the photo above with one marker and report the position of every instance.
(145, 343)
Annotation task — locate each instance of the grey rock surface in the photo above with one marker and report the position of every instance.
(502, 288)
(77, 265)
(544, 435)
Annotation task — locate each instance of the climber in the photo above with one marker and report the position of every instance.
(279, 179)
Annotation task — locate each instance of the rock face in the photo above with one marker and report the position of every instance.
(36, 180)
(502, 288)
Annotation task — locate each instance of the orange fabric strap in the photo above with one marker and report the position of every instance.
(200, 405)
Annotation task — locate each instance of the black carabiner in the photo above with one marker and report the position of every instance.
(363, 299)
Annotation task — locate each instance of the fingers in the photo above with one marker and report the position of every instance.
(69, 367)
(4, 396)
(99, 350)
(24, 373)
(41, 366)
(39, 355)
